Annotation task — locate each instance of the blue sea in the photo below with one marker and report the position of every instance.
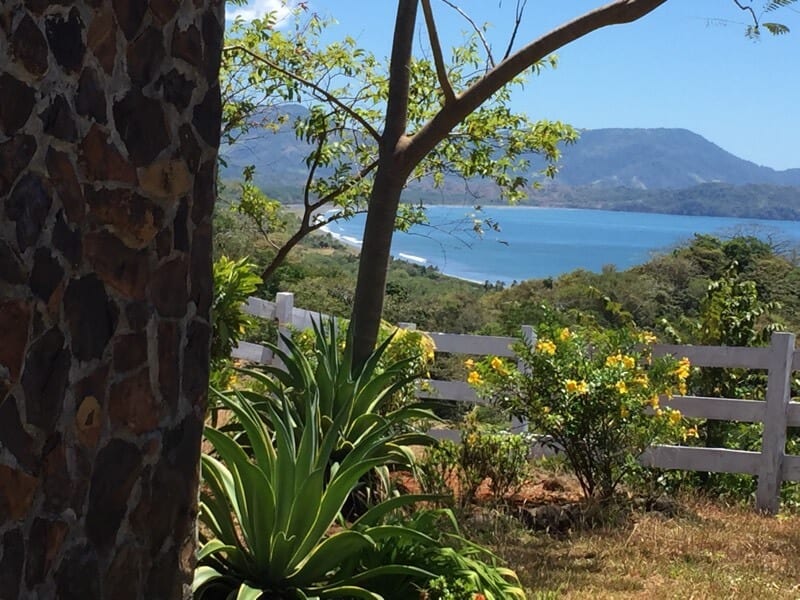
(547, 242)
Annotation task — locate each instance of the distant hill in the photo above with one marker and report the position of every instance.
(658, 158)
(652, 170)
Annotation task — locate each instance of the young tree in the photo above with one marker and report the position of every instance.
(400, 150)
(338, 94)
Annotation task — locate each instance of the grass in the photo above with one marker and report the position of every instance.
(709, 552)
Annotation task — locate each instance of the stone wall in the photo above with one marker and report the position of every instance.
(109, 127)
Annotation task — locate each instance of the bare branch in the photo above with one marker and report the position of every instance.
(435, 130)
(307, 226)
(321, 91)
(438, 59)
(517, 20)
(475, 28)
(341, 190)
(748, 9)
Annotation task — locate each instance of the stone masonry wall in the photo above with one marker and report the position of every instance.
(109, 127)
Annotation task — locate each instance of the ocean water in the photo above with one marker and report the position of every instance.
(547, 242)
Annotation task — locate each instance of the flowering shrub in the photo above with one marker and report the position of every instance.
(594, 397)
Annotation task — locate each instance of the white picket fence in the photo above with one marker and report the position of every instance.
(772, 465)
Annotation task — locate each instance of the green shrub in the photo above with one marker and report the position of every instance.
(484, 452)
(593, 396)
(234, 282)
(462, 570)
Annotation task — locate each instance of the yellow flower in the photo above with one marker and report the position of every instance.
(654, 401)
(474, 377)
(683, 369)
(675, 417)
(565, 334)
(546, 347)
(571, 385)
(682, 388)
(498, 366)
(430, 355)
(642, 380)
(628, 362)
(691, 432)
(621, 387)
(469, 363)
(613, 360)
(546, 410)
(623, 411)
(648, 338)
(582, 387)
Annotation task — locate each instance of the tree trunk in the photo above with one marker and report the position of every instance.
(390, 178)
(373, 263)
(109, 127)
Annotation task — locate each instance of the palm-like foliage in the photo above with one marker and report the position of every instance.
(270, 510)
(354, 398)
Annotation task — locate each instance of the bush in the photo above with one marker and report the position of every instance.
(234, 282)
(594, 396)
(484, 453)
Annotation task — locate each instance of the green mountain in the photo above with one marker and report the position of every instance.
(650, 170)
(660, 159)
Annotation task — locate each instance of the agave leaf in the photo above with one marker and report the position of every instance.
(220, 481)
(214, 546)
(204, 575)
(284, 471)
(328, 555)
(305, 509)
(257, 495)
(337, 491)
(388, 570)
(376, 513)
(248, 593)
(348, 591)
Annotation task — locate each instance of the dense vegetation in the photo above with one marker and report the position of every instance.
(664, 294)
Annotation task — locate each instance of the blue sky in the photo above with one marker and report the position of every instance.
(687, 65)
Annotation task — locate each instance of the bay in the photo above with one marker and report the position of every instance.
(547, 242)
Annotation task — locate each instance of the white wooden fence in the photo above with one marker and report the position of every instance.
(772, 465)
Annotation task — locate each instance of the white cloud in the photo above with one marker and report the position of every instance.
(256, 9)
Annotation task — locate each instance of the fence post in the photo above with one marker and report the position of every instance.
(529, 338)
(773, 445)
(284, 308)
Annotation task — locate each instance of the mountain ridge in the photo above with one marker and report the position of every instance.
(657, 169)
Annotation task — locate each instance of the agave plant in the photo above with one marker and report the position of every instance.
(353, 398)
(270, 510)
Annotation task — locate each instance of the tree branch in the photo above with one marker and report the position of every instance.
(399, 75)
(433, 132)
(475, 28)
(321, 91)
(341, 190)
(517, 20)
(317, 153)
(748, 9)
(438, 59)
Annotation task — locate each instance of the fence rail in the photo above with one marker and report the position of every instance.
(771, 465)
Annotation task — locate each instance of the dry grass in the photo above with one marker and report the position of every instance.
(709, 552)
